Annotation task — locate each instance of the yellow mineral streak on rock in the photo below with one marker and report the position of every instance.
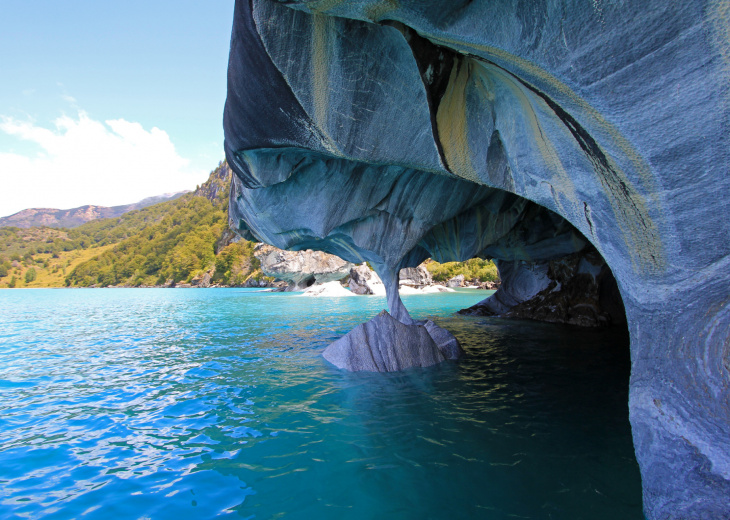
(640, 232)
(379, 10)
(453, 129)
(321, 29)
(718, 15)
(524, 68)
(560, 180)
(322, 6)
(451, 121)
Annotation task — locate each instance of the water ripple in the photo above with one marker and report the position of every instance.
(203, 403)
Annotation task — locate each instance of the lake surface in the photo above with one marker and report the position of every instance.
(199, 403)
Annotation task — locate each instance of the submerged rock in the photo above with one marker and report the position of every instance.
(384, 344)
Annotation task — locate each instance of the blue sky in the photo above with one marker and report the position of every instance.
(109, 102)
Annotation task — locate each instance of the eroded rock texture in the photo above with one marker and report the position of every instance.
(365, 281)
(577, 289)
(384, 344)
(301, 268)
(417, 277)
(391, 131)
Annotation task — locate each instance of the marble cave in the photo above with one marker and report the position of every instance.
(582, 145)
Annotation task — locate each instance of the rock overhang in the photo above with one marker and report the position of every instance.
(604, 122)
(438, 135)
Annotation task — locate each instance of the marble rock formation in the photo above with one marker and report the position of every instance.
(301, 268)
(456, 281)
(578, 290)
(394, 131)
(364, 280)
(384, 344)
(417, 277)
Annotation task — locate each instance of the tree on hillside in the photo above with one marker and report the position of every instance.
(30, 275)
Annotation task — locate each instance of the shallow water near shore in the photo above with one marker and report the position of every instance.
(192, 403)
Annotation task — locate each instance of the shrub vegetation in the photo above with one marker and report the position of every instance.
(475, 268)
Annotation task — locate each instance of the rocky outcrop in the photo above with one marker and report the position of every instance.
(390, 132)
(364, 280)
(384, 344)
(456, 281)
(253, 283)
(577, 290)
(217, 185)
(301, 268)
(417, 277)
(490, 286)
(203, 279)
(227, 237)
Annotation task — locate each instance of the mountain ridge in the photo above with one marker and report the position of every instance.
(74, 217)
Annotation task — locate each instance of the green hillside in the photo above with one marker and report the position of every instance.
(170, 242)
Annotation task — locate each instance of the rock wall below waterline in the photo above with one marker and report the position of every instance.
(388, 132)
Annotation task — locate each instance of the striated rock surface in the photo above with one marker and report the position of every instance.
(577, 290)
(415, 277)
(390, 132)
(364, 280)
(301, 268)
(384, 344)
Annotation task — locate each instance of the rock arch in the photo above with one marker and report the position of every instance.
(385, 131)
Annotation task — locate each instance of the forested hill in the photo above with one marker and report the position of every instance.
(171, 242)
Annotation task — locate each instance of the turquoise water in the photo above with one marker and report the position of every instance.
(190, 403)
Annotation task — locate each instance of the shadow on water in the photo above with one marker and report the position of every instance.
(532, 424)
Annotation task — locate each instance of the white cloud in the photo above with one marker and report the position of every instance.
(82, 161)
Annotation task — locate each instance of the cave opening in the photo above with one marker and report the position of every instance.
(551, 349)
(576, 289)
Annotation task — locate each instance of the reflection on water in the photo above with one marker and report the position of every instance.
(198, 403)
